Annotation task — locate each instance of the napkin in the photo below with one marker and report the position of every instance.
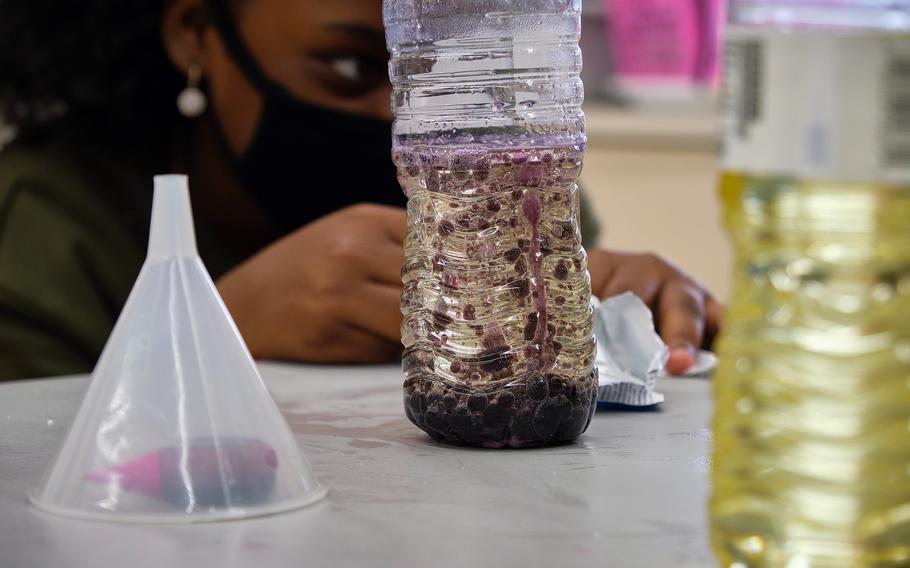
(630, 353)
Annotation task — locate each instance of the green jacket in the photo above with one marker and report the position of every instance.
(74, 218)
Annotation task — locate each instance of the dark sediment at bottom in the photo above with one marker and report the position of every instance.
(536, 410)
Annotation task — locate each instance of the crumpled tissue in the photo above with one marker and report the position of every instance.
(630, 353)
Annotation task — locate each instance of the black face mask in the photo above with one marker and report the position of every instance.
(306, 161)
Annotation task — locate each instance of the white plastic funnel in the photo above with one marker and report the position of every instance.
(176, 425)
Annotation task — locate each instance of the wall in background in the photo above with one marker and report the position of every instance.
(651, 178)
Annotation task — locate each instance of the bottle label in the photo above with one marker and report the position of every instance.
(817, 104)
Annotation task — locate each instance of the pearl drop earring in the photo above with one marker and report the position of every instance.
(192, 101)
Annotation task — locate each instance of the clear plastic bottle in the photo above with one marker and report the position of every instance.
(489, 138)
(812, 420)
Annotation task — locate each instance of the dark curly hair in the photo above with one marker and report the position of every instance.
(102, 58)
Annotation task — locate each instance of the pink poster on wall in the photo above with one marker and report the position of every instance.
(665, 42)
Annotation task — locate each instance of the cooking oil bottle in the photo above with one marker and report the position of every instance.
(812, 420)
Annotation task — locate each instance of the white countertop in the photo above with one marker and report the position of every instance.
(630, 493)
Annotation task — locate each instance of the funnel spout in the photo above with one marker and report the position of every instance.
(171, 234)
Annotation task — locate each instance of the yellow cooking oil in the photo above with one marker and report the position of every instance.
(812, 421)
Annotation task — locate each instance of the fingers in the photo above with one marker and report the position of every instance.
(614, 273)
(688, 317)
(383, 264)
(682, 323)
(376, 310)
(714, 316)
(681, 360)
(353, 345)
(393, 220)
(368, 239)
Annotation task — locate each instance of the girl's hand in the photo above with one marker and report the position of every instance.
(685, 313)
(327, 293)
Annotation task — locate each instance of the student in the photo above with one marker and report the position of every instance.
(299, 215)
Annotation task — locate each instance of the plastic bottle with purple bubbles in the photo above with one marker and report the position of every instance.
(489, 139)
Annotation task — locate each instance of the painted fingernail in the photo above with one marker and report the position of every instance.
(681, 360)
